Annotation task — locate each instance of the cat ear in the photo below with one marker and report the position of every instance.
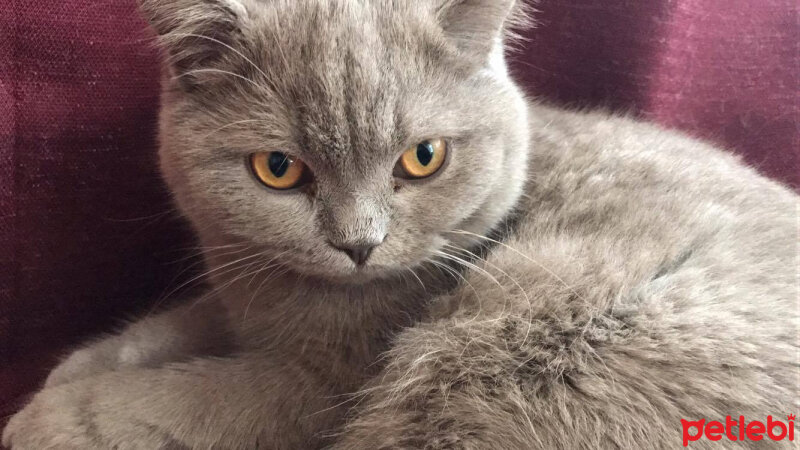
(476, 26)
(197, 34)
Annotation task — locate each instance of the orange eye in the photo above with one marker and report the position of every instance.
(423, 160)
(279, 170)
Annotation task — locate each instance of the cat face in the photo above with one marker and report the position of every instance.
(348, 140)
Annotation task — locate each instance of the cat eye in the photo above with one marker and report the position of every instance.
(423, 160)
(280, 171)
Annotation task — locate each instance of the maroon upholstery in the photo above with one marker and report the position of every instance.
(723, 70)
(84, 240)
(87, 236)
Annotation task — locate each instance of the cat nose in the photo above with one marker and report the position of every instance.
(358, 252)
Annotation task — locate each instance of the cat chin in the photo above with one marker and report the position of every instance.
(353, 276)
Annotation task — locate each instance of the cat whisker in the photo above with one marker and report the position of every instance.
(202, 276)
(351, 397)
(288, 323)
(484, 273)
(464, 279)
(242, 275)
(481, 271)
(468, 264)
(279, 255)
(220, 71)
(232, 124)
(537, 263)
(513, 280)
(139, 219)
(264, 267)
(214, 247)
(361, 395)
(200, 261)
(403, 276)
(202, 251)
(417, 277)
(201, 36)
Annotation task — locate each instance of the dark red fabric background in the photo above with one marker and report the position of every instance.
(86, 236)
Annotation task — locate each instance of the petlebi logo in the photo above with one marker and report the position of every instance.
(738, 430)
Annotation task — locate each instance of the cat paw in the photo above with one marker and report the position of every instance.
(51, 421)
(79, 365)
(76, 417)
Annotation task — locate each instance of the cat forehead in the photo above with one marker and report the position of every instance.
(347, 88)
(354, 126)
(347, 10)
(314, 29)
(342, 83)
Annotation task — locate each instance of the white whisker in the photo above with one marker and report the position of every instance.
(464, 279)
(263, 268)
(537, 263)
(232, 124)
(202, 276)
(417, 277)
(513, 280)
(225, 72)
(200, 36)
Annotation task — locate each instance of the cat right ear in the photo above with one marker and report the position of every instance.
(475, 27)
(198, 35)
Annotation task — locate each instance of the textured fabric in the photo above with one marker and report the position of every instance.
(83, 238)
(87, 235)
(723, 70)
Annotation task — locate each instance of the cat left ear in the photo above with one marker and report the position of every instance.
(476, 26)
(197, 34)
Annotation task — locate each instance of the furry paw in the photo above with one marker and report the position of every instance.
(51, 420)
(171, 336)
(72, 416)
(79, 365)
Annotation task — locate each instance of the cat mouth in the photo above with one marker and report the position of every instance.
(355, 277)
(345, 271)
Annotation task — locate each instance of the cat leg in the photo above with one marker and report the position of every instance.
(496, 383)
(243, 402)
(173, 335)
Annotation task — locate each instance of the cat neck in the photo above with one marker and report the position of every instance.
(281, 310)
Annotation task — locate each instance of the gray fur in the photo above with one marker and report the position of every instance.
(570, 280)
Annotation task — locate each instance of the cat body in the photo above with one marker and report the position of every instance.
(567, 280)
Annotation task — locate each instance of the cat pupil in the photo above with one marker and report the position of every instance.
(425, 153)
(279, 164)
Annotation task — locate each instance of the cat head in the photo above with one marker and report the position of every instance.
(347, 139)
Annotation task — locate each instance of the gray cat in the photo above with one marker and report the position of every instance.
(404, 252)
